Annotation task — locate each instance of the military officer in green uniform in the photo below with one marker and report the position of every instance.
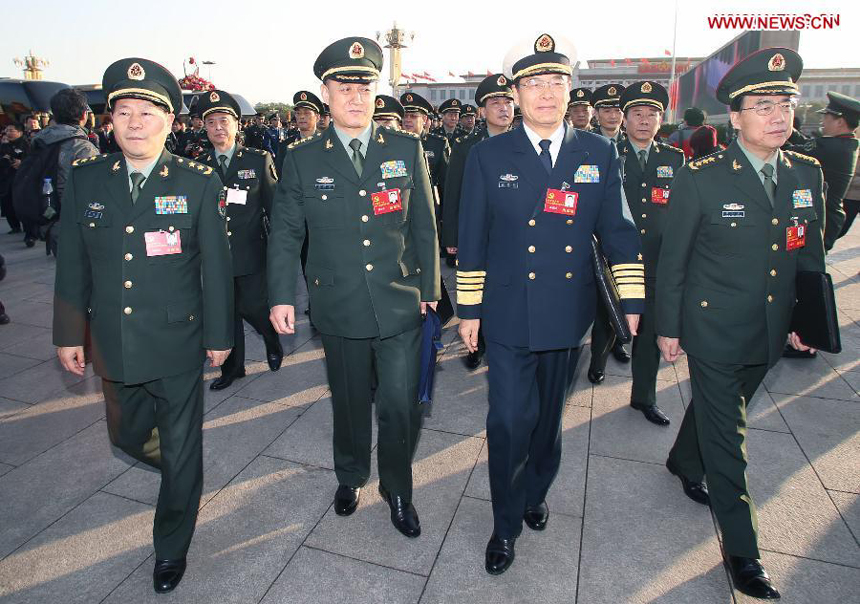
(308, 109)
(450, 112)
(373, 268)
(743, 222)
(495, 95)
(580, 110)
(648, 168)
(606, 101)
(249, 180)
(468, 115)
(388, 112)
(144, 264)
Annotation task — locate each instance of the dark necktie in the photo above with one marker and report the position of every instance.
(642, 159)
(769, 185)
(357, 159)
(545, 157)
(136, 185)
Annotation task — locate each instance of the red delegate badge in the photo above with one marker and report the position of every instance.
(560, 202)
(386, 201)
(659, 195)
(162, 243)
(795, 237)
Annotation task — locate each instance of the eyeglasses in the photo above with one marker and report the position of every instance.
(555, 84)
(766, 108)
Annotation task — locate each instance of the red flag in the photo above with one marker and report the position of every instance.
(612, 62)
(471, 74)
(429, 77)
(645, 61)
(668, 53)
(451, 73)
(489, 73)
(628, 61)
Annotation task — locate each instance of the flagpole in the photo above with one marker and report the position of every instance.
(672, 106)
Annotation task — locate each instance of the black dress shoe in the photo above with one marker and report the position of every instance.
(620, 353)
(790, 352)
(167, 575)
(596, 376)
(750, 578)
(346, 500)
(403, 515)
(500, 555)
(473, 360)
(536, 516)
(275, 357)
(697, 491)
(652, 413)
(29, 241)
(4, 318)
(224, 381)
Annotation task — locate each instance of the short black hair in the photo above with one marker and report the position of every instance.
(17, 126)
(737, 103)
(851, 119)
(68, 106)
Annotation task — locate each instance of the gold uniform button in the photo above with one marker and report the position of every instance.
(92, 225)
(362, 192)
(129, 229)
(769, 298)
(532, 222)
(531, 249)
(171, 228)
(644, 215)
(127, 310)
(568, 248)
(128, 257)
(775, 221)
(734, 224)
(190, 317)
(532, 276)
(229, 234)
(324, 197)
(127, 285)
(316, 281)
(365, 218)
(569, 221)
(644, 200)
(369, 267)
(228, 220)
(774, 247)
(568, 275)
(642, 231)
(773, 272)
(366, 243)
(703, 303)
(644, 185)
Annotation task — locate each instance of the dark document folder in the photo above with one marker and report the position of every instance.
(814, 319)
(608, 293)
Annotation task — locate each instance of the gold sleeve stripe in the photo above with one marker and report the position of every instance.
(471, 273)
(627, 273)
(634, 266)
(634, 280)
(631, 291)
(471, 288)
(472, 298)
(470, 279)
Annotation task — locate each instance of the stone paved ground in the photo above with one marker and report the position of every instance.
(75, 515)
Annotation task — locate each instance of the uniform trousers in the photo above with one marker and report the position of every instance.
(646, 356)
(251, 305)
(711, 444)
(602, 335)
(161, 424)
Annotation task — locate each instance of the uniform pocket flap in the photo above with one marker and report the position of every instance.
(409, 268)
(320, 276)
(183, 311)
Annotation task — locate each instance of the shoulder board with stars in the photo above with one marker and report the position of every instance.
(302, 141)
(255, 150)
(194, 166)
(803, 158)
(90, 160)
(435, 135)
(405, 133)
(669, 147)
(709, 160)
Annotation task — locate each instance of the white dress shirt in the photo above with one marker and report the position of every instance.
(555, 141)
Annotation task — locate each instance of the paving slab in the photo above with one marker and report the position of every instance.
(8, 408)
(302, 370)
(848, 505)
(11, 364)
(763, 414)
(638, 519)
(16, 333)
(803, 581)
(41, 382)
(38, 314)
(309, 439)
(245, 536)
(81, 557)
(459, 396)
(324, 578)
(36, 494)
(828, 433)
(40, 347)
(440, 471)
(568, 491)
(808, 377)
(544, 569)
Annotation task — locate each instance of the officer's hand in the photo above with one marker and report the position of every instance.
(217, 357)
(283, 318)
(424, 306)
(469, 333)
(451, 250)
(633, 324)
(670, 347)
(72, 359)
(795, 342)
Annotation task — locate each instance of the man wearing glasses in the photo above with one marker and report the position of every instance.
(536, 195)
(744, 221)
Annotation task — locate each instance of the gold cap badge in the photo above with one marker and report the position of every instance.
(408, 98)
(646, 87)
(544, 43)
(579, 94)
(611, 91)
(380, 103)
(214, 98)
(136, 72)
(776, 63)
(303, 97)
(356, 51)
(502, 81)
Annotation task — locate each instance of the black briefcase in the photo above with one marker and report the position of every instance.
(608, 291)
(814, 319)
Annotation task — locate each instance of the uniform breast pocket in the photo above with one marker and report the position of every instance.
(391, 204)
(168, 238)
(325, 209)
(95, 228)
(732, 232)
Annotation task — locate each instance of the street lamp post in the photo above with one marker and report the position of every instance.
(394, 39)
(32, 65)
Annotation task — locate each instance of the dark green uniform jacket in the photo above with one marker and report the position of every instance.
(368, 268)
(648, 196)
(151, 316)
(252, 171)
(725, 281)
(838, 158)
(453, 184)
(438, 151)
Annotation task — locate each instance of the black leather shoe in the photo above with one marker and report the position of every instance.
(167, 575)
(403, 515)
(346, 500)
(275, 357)
(750, 578)
(697, 491)
(652, 413)
(29, 241)
(224, 381)
(536, 516)
(620, 353)
(500, 555)
(789, 352)
(596, 376)
(473, 360)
